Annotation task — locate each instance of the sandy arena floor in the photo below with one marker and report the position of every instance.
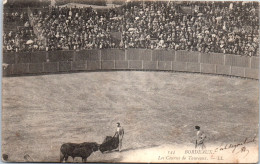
(156, 109)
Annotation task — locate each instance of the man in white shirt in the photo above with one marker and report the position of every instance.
(120, 134)
(200, 139)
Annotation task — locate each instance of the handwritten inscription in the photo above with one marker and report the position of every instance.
(241, 146)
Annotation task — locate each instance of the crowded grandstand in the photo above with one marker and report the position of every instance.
(219, 27)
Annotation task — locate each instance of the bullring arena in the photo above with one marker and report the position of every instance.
(156, 109)
(159, 90)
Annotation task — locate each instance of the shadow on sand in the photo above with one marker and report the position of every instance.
(130, 149)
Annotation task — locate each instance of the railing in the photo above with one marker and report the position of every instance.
(130, 59)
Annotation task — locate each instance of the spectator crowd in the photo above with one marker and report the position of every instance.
(18, 32)
(229, 27)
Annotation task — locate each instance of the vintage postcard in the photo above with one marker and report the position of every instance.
(130, 81)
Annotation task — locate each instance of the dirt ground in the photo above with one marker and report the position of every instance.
(156, 109)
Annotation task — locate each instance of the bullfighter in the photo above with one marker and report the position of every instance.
(120, 134)
(200, 138)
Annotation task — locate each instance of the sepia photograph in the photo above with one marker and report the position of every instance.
(130, 81)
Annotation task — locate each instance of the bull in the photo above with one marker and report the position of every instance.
(83, 150)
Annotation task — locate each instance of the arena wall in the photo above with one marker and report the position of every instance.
(131, 59)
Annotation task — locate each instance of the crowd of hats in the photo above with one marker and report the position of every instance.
(220, 27)
(17, 31)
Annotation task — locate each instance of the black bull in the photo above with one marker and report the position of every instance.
(83, 150)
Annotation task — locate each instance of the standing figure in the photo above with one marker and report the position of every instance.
(200, 139)
(119, 134)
